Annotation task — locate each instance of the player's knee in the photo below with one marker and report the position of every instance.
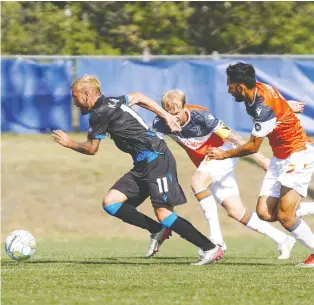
(108, 200)
(263, 214)
(285, 212)
(111, 208)
(162, 213)
(266, 212)
(169, 220)
(284, 216)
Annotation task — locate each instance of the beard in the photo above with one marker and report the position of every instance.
(239, 98)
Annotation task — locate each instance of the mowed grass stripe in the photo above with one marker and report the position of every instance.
(114, 272)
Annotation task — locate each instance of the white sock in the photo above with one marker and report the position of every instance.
(305, 208)
(304, 235)
(209, 207)
(266, 228)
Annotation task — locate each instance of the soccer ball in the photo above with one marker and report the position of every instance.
(20, 245)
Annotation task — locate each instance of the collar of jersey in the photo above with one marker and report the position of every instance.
(95, 105)
(189, 114)
(255, 94)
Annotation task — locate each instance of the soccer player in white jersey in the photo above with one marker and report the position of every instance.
(214, 181)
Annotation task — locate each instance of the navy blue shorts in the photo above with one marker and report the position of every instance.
(156, 179)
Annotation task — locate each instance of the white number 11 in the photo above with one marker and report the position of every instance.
(163, 189)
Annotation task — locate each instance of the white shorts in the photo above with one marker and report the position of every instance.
(222, 172)
(294, 172)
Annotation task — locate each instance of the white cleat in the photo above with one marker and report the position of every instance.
(210, 256)
(286, 247)
(222, 245)
(156, 240)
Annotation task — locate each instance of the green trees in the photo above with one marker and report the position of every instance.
(254, 27)
(129, 28)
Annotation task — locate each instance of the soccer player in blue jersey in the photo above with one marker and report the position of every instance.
(154, 173)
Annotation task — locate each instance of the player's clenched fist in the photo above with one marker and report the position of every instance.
(61, 137)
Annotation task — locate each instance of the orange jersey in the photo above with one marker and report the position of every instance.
(197, 134)
(274, 118)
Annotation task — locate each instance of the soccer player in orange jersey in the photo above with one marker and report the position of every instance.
(213, 181)
(292, 165)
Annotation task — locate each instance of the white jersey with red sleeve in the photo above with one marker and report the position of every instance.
(201, 131)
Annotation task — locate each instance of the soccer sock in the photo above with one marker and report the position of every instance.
(251, 220)
(209, 207)
(187, 231)
(305, 208)
(302, 232)
(130, 215)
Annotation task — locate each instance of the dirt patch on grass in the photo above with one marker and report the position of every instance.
(54, 192)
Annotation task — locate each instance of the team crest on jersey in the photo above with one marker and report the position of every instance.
(258, 126)
(258, 111)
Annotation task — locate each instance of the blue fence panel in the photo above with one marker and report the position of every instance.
(120, 77)
(204, 82)
(35, 97)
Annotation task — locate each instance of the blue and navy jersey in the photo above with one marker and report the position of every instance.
(111, 116)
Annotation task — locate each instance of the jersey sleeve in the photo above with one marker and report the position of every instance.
(160, 127)
(205, 117)
(216, 126)
(264, 121)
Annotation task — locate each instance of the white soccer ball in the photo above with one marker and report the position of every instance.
(20, 245)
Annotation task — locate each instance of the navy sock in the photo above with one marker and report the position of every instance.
(130, 215)
(187, 231)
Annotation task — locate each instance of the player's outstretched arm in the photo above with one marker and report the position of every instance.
(90, 147)
(297, 107)
(147, 103)
(258, 157)
(249, 148)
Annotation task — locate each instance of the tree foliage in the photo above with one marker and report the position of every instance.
(129, 28)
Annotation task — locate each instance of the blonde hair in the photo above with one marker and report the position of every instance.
(87, 82)
(172, 96)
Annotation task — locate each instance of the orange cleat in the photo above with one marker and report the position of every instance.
(309, 262)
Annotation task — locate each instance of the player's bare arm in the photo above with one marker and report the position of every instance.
(297, 107)
(147, 103)
(258, 157)
(249, 148)
(90, 147)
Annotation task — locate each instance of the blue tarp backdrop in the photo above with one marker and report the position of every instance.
(204, 82)
(37, 97)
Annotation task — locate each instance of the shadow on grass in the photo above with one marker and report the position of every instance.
(153, 261)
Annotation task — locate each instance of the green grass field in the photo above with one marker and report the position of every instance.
(98, 271)
(86, 257)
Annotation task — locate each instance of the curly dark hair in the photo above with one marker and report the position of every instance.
(242, 73)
